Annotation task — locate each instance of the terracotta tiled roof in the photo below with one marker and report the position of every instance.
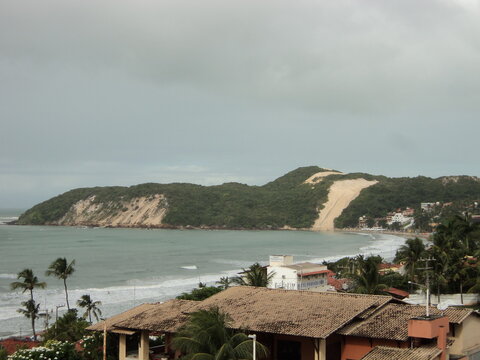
(167, 317)
(313, 273)
(289, 312)
(391, 322)
(336, 283)
(397, 292)
(388, 353)
(12, 344)
(122, 316)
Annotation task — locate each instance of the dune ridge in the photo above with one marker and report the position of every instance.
(340, 195)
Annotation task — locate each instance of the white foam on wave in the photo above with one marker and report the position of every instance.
(189, 267)
(381, 244)
(6, 219)
(8, 276)
(138, 291)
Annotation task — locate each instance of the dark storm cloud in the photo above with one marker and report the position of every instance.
(122, 92)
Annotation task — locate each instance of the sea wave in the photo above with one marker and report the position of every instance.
(189, 267)
(112, 297)
(385, 245)
(8, 276)
(6, 219)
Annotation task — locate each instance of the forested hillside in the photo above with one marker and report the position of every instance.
(285, 202)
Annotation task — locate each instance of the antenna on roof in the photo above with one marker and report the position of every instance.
(427, 284)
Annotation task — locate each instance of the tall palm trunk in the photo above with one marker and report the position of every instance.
(461, 293)
(33, 327)
(66, 293)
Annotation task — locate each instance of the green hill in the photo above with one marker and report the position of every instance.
(285, 202)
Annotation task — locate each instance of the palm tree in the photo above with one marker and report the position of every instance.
(91, 307)
(255, 275)
(410, 254)
(206, 336)
(224, 282)
(30, 311)
(61, 270)
(367, 277)
(30, 282)
(440, 268)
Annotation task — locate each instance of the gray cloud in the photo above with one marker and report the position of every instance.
(123, 92)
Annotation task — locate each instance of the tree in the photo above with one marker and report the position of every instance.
(61, 269)
(410, 254)
(91, 307)
(30, 282)
(207, 336)
(224, 282)
(68, 327)
(454, 241)
(255, 275)
(367, 278)
(30, 311)
(200, 293)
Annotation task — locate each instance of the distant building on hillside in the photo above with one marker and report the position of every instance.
(302, 276)
(398, 217)
(427, 206)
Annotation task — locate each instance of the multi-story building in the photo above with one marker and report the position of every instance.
(302, 276)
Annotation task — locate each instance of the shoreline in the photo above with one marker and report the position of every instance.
(423, 236)
(406, 235)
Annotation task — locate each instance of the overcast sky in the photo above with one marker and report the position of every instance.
(121, 92)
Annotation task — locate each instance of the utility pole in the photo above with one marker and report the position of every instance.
(56, 316)
(427, 282)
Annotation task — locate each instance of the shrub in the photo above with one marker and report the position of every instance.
(53, 350)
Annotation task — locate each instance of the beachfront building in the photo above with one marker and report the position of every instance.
(398, 217)
(304, 325)
(302, 276)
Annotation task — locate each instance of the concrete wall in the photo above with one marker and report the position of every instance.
(283, 277)
(355, 348)
(453, 299)
(467, 339)
(286, 278)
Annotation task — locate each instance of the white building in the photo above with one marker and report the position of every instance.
(302, 276)
(399, 218)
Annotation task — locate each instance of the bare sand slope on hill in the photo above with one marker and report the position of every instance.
(140, 211)
(341, 193)
(318, 177)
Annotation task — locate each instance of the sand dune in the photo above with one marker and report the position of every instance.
(340, 195)
(318, 177)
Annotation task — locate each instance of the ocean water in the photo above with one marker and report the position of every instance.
(125, 267)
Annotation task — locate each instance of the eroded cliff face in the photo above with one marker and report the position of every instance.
(136, 212)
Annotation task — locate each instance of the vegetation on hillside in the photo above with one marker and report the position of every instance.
(393, 193)
(286, 201)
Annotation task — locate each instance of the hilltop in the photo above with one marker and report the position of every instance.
(305, 198)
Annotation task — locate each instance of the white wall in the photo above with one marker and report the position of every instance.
(283, 277)
(453, 299)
